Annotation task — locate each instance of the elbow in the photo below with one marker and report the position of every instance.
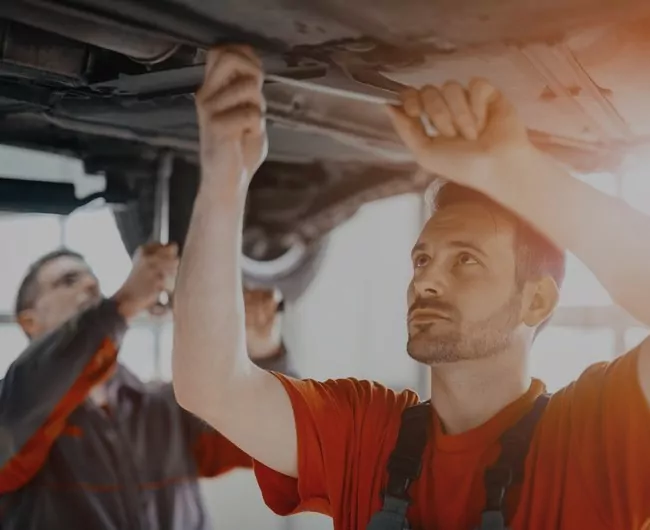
(200, 377)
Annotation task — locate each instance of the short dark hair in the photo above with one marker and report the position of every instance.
(536, 256)
(28, 291)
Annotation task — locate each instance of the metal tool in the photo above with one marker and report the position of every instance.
(160, 232)
(341, 86)
(335, 82)
(338, 83)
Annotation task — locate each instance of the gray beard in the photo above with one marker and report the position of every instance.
(481, 340)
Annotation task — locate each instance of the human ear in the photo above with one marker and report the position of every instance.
(28, 322)
(543, 300)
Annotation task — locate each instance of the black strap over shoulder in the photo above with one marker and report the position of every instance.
(510, 466)
(405, 463)
(404, 467)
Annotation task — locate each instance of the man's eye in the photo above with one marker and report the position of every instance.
(421, 261)
(467, 259)
(69, 279)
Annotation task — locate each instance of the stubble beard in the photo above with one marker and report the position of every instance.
(480, 340)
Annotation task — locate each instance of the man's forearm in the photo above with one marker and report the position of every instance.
(209, 317)
(609, 236)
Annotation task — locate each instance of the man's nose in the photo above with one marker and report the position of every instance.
(431, 282)
(91, 285)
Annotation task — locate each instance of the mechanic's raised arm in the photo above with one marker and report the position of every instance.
(58, 370)
(48, 381)
(213, 375)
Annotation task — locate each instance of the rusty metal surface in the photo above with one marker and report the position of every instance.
(443, 24)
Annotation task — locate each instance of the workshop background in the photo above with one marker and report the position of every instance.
(351, 322)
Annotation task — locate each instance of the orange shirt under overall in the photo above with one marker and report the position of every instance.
(588, 466)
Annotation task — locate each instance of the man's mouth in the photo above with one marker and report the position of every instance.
(88, 303)
(421, 316)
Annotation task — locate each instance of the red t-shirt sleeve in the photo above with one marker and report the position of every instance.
(611, 420)
(337, 422)
(215, 455)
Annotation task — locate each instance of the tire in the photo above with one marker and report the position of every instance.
(291, 271)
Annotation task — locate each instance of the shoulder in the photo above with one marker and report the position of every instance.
(604, 380)
(359, 401)
(357, 392)
(606, 393)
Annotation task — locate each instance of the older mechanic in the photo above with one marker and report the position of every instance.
(83, 442)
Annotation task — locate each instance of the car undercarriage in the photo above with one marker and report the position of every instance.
(112, 83)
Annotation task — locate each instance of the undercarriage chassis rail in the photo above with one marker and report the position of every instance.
(59, 198)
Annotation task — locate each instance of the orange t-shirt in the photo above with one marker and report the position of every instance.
(588, 466)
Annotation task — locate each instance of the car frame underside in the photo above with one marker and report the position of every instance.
(112, 83)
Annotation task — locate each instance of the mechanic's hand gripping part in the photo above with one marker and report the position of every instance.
(213, 375)
(154, 271)
(476, 126)
(231, 108)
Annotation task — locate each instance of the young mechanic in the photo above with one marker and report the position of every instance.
(84, 444)
(491, 448)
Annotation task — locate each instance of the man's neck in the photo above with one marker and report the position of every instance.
(467, 394)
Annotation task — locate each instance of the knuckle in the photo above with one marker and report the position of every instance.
(409, 93)
(253, 113)
(437, 107)
(452, 88)
(479, 83)
(409, 97)
(228, 61)
(252, 87)
(430, 91)
(212, 56)
(440, 116)
(462, 118)
(257, 72)
(451, 84)
(245, 48)
(411, 104)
